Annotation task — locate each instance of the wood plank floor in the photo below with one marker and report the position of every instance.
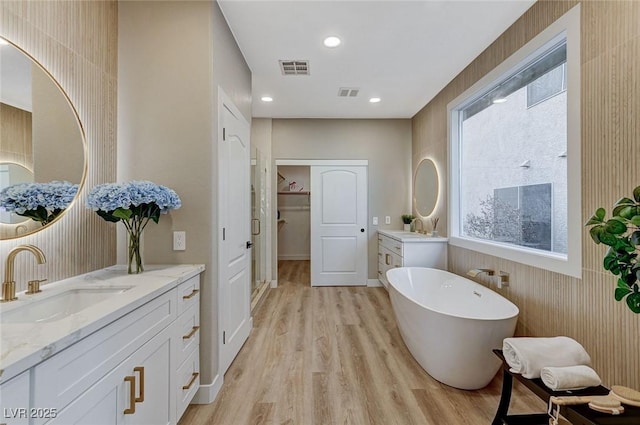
(333, 355)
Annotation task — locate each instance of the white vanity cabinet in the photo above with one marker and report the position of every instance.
(139, 368)
(187, 345)
(138, 391)
(404, 249)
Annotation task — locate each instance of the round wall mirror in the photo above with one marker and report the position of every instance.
(42, 146)
(425, 187)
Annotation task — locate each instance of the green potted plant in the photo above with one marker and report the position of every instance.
(407, 219)
(621, 233)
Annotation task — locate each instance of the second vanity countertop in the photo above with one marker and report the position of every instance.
(411, 237)
(23, 345)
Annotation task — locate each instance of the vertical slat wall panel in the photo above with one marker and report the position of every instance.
(551, 303)
(76, 41)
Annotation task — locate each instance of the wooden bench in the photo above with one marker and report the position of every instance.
(577, 414)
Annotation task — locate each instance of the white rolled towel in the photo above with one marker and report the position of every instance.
(569, 377)
(527, 356)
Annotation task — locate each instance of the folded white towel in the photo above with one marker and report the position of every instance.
(569, 377)
(528, 355)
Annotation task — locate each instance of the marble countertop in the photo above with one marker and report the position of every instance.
(410, 237)
(23, 345)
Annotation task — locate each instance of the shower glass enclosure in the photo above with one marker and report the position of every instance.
(259, 206)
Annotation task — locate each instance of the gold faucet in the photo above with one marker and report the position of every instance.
(476, 272)
(9, 285)
(417, 220)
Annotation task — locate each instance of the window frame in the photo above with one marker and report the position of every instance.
(567, 26)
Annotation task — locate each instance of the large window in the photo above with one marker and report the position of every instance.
(514, 157)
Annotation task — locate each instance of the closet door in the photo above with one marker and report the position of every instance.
(338, 225)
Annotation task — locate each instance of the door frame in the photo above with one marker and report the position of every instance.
(224, 101)
(274, 183)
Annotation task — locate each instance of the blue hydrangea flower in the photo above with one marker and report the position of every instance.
(111, 196)
(38, 201)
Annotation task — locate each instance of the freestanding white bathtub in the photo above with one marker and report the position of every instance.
(450, 324)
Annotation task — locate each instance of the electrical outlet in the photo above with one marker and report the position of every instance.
(375, 221)
(387, 219)
(179, 241)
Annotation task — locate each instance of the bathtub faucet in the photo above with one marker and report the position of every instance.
(476, 272)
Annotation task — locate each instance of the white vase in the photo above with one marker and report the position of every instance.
(407, 227)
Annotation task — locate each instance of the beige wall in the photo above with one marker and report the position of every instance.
(167, 129)
(54, 33)
(385, 143)
(550, 303)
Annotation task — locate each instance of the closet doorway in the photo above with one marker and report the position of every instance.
(322, 218)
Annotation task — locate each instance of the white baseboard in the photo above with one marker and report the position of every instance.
(274, 283)
(293, 257)
(372, 283)
(206, 394)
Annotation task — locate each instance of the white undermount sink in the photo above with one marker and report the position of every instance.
(61, 305)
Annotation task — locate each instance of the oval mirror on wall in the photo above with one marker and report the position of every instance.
(42, 146)
(425, 187)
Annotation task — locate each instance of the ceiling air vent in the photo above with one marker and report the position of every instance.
(297, 67)
(348, 92)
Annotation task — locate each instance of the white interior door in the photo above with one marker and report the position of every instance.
(338, 225)
(235, 234)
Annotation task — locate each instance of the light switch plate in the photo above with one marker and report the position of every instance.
(179, 241)
(387, 219)
(375, 221)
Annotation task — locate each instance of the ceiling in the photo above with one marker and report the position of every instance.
(403, 52)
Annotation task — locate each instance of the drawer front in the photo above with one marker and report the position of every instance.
(65, 376)
(14, 400)
(188, 381)
(390, 244)
(188, 294)
(382, 273)
(391, 259)
(187, 333)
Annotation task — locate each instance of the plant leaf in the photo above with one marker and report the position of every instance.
(107, 216)
(593, 220)
(609, 261)
(600, 213)
(633, 301)
(624, 201)
(626, 212)
(122, 213)
(620, 293)
(615, 227)
(607, 238)
(595, 233)
(635, 220)
(636, 194)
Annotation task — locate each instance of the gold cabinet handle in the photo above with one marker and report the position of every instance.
(194, 376)
(387, 259)
(380, 273)
(191, 295)
(140, 370)
(132, 395)
(397, 247)
(192, 333)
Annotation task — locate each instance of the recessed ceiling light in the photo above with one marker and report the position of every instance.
(3, 42)
(266, 99)
(499, 100)
(332, 41)
(374, 100)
